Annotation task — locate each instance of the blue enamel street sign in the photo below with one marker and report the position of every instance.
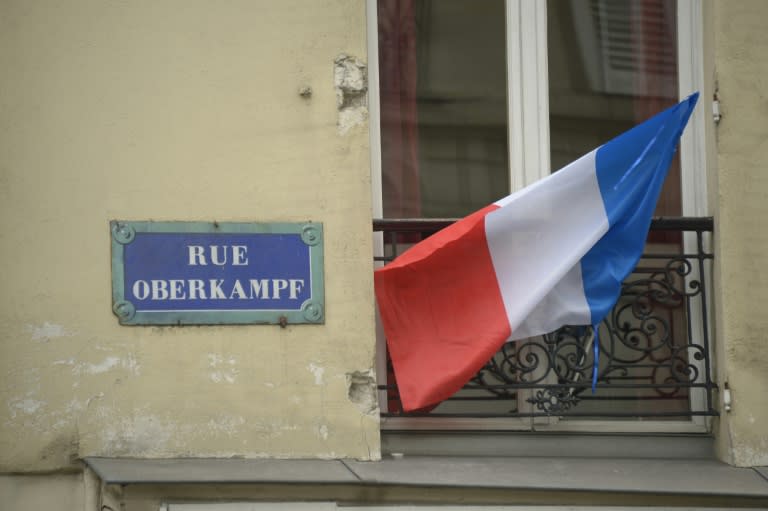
(196, 273)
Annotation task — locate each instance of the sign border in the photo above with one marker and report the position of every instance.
(312, 311)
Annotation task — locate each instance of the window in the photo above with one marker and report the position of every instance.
(477, 99)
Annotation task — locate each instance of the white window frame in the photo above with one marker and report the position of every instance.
(528, 118)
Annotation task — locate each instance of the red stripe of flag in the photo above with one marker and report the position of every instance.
(452, 312)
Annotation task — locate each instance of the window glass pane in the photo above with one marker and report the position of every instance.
(613, 64)
(443, 106)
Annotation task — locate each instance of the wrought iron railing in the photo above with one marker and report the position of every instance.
(654, 359)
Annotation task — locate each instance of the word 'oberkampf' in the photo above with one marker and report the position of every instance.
(217, 289)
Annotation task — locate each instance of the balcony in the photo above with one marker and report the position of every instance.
(654, 347)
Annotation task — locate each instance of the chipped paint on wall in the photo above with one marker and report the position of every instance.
(362, 391)
(226, 424)
(317, 371)
(27, 406)
(223, 369)
(100, 367)
(155, 434)
(143, 433)
(273, 428)
(47, 331)
(129, 363)
(351, 83)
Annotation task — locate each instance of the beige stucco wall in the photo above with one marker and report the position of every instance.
(176, 110)
(741, 65)
(179, 110)
(50, 492)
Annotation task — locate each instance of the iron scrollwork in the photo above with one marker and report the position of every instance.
(643, 340)
(650, 354)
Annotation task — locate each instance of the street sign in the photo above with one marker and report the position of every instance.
(198, 273)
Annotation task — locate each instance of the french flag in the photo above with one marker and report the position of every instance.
(554, 253)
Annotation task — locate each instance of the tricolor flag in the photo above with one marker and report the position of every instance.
(554, 253)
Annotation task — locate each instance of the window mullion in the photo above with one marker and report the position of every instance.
(527, 108)
(693, 171)
(528, 92)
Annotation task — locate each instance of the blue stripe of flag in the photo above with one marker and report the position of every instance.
(630, 171)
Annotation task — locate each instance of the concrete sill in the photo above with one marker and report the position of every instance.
(669, 477)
